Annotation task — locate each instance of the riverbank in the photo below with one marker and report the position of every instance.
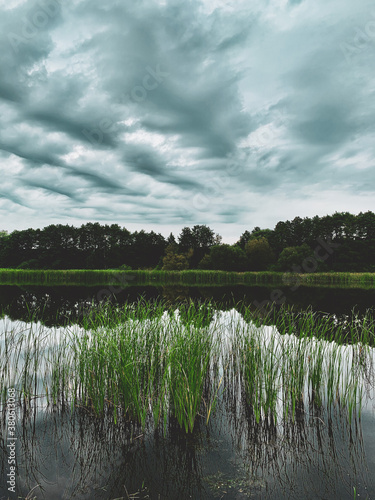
(118, 278)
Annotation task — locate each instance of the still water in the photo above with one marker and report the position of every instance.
(57, 305)
(64, 453)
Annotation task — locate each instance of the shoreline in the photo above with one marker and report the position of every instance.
(116, 277)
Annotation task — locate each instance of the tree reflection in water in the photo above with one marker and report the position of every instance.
(65, 304)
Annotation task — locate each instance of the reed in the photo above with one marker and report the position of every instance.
(296, 360)
(188, 277)
(35, 361)
(149, 364)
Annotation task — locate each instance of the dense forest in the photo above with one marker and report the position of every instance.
(338, 242)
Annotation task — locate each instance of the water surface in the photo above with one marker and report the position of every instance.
(57, 305)
(321, 453)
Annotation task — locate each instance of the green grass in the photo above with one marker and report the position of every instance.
(151, 365)
(140, 361)
(189, 277)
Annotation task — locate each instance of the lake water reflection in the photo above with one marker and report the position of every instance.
(233, 457)
(56, 305)
(319, 454)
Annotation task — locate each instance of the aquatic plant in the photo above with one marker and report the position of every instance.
(119, 277)
(147, 363)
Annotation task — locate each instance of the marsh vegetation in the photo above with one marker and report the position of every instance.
(122, 279)
(156, 370)
(145, 361)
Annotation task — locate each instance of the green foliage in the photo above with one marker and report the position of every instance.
(224, 258)
(174, 261)
(197, 237)
(125, 267)
(171, 240)
(244, 238)
(199, 240)
(205, 263)
(92, 246)
(95, 246)
(255, 234)
(259, 254)
(30, 264)
(292, 258)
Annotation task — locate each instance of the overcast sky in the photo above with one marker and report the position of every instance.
(163, 114)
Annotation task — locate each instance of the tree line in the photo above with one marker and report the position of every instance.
(287, 247)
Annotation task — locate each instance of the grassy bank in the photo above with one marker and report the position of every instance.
(191, 277)
(116, 277)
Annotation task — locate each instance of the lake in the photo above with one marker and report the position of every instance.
(324, 448)
(56, 304)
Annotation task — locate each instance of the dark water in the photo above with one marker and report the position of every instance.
(57, 305)
(318, 456)
(321, 454)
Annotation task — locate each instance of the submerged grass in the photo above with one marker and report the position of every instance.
(151, 365)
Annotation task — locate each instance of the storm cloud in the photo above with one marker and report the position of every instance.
(160, 114)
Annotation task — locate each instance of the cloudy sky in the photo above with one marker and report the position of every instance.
(160, 114)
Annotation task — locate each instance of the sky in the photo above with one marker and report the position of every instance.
(157, 114)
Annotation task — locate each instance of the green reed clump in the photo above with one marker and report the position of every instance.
(120, 361)
(147, 363)
(308, 323)
(191, 353)
(261, 377)
(35, 362)
(306, 360)
(315, 363)
(143, 361)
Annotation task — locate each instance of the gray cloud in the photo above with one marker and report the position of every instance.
(136, 112)
(51, 188)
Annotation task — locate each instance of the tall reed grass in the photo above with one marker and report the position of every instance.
(150, 362)
(188, 277)
(279, 374)
(151, 365)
